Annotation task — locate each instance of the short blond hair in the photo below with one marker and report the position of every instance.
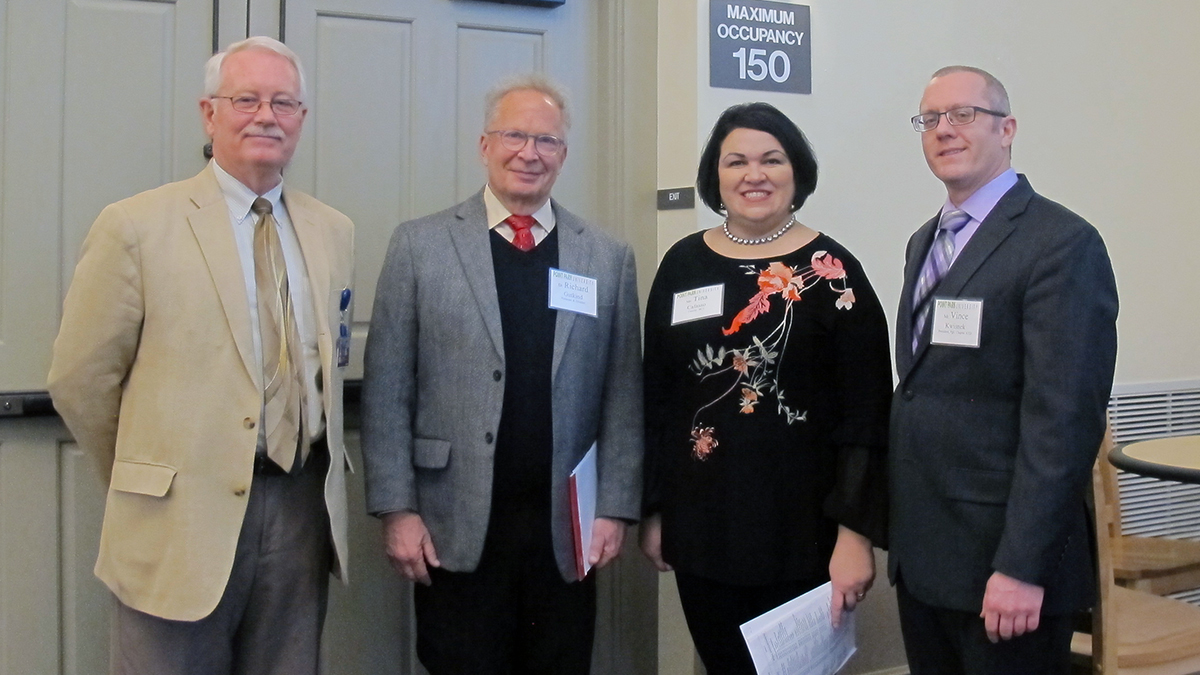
(996, 93)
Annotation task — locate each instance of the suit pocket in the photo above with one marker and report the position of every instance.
(142, 478)
(978, 485)
(430, 453)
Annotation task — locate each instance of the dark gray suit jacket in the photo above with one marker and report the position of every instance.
(991, 448)
(434, 381)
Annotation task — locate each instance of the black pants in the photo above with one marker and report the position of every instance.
(715, 612)
(514, 615)
(943, 641)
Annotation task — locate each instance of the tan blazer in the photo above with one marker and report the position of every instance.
(154, 374)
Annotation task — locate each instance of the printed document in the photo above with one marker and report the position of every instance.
(797, 638)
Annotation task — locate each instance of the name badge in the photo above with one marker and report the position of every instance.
(572, 292)
(956, 322)
(342, 347)
(698, 303)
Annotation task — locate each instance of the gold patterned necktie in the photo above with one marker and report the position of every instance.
(283, 391)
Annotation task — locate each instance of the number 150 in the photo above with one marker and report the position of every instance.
(757, 68)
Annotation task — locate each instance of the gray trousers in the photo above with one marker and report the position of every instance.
(269, 620)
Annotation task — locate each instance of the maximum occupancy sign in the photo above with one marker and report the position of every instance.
(755, 44)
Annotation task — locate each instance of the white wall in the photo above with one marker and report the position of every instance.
(1105, 94)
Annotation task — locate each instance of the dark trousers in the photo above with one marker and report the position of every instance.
(514, 615)
(943, 641)
(269, 619)
(715, 612)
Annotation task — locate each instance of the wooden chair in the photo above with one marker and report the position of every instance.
(1153, 564)
(1133, 632)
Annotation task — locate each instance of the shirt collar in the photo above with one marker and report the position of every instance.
(983, 200)
(497, 213)
(239, 197)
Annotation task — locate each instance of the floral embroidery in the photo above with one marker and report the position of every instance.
(749, 400)
(755, 368)
(703, 442)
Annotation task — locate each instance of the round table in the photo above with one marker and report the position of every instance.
(1176, 458)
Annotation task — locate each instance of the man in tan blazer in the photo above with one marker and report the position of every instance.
(217, 550)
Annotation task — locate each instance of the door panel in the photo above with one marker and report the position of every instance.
(397, 89)
(484, 57)
(99, 102)
(361, 131)
(398, 94)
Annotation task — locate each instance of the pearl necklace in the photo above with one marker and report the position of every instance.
(761, 240)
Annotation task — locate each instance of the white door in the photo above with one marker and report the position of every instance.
(98, 102)
(396, 105)
(396, 92)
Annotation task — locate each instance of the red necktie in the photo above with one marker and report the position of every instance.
(522, 237)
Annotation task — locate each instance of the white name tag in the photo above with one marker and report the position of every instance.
(698, 303)
(956, 322)
(572, 292)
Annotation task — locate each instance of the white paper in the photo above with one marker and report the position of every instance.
(583, 482)
(698, 303)
(796, 638)
(956, 322)
(572, 292)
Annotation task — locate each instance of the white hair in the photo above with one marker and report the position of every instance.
(530, 82)
(212, 69)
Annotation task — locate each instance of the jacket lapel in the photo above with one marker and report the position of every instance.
(991, 233)
(574, 256)
(214, 233)
(471, 242)
(912, 271)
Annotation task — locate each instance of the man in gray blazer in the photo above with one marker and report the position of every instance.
(1005, 347)
(504, 342)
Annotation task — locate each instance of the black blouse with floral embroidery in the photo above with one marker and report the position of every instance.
(766, 425)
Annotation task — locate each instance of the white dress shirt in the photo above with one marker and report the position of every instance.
(496, 214)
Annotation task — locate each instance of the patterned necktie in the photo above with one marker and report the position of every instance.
(522, 237)
(283, 392)
(941, 254)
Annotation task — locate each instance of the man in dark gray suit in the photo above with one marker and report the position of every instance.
(1005, 347)
(504, 341)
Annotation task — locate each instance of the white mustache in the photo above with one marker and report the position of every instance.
(268, 131)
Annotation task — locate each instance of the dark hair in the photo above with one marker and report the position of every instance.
(761, 117)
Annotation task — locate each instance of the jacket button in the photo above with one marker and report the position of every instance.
(496, 375)
(248, 423)
(240, 492)
(908, 395)
(489, 437)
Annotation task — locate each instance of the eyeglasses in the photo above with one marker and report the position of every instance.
(544, 144)
(251, 104)
(956, 117)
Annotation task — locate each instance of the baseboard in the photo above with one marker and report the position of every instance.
(899, 670)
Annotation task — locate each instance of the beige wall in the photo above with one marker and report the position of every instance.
(1104, 93)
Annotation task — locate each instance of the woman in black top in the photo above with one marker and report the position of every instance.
(767, 386)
